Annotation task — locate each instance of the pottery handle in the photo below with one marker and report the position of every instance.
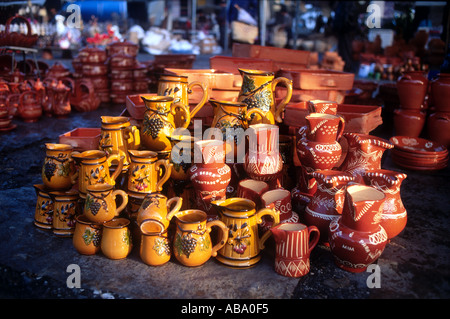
(253, 111)
(341, 128)
(119, 167)
(204, 96)
(315, 239)
(186, 112)
(178, 202)
(167, 171)
(280, 107)
(133, 137)
(124, 195)
(224, 230)
(275, 214)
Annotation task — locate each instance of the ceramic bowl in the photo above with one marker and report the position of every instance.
(92, 55)
(123, 47)
(95, 69)
(5, 121)
(121, 73)
(122, 86)
(122, 61)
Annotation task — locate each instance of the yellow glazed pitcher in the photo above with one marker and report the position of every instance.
(178, 87)
(155, 247)
(258, 89)
(100, 205)
(58, 168)
(118, 136)
(64, 212)
(243, 247)
(159, 121)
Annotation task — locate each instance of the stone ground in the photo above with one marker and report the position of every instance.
(33, 263)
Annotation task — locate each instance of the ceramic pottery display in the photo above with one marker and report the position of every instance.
(440, 91)
(157, 207)
(229, 118)
(412, 88)
(116, 242)
(87, 236)
(243, 247)
(280, 200)
(159, 122)
(294, 243)
(356, 238)
(364, 153)
(192, 245)
(263, 160)
(29, 107)
(94, 169)
(393, 212)
(318, 147)
(118, 136)
(327, 202)
(84, 98)
(181, 146)
(58, 170)
(43, 214)
(147, 173)
(177, 86)
(154, 248)
(258, 89)
(100, 204)
(64, 210)
(252, 189)
(209, 175)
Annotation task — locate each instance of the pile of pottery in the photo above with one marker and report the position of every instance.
(141, 176)
(418, 153)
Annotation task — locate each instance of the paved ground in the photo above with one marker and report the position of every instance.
(33, 263)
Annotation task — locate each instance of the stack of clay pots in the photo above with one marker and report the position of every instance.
(91, 63)
(409, 118)
(438, 123)
(122, 62)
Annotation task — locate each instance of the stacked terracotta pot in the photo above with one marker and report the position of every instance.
(409, 118)
(438, 124)
(91, 63)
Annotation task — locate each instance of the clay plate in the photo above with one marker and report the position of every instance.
(417, 145)
(9, 128)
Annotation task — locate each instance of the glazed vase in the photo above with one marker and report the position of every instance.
(154, 247)
(318, 147)
(87, 236)
(364, 153)
(116, 242)
(356, 238)
(192, 243)
(58, 169)
(244, 245)
(258, 89)
(393, 212)
(412, 88)
(159, 122)
(209, 174)
(263, 160)
(294, 243)
(327, 202)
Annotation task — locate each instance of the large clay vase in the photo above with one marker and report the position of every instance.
(393, 212)
(209, 175)
(364, 153)
(357, 239)
(440, 91)
(438, 126)
(263, 160)
(318, 147)
(409, 122)
(258, 89)
(412, 88)
(327, 202)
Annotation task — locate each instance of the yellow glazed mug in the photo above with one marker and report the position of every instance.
(58, 168)
(258, 89)
(64, 211)
(116, 242)
(43, 214)
(155, 246)
(156, 206)
(144, 172)
(100, 205)
(87, 236)
(94, 169)
(243, 247)
(192, 243)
